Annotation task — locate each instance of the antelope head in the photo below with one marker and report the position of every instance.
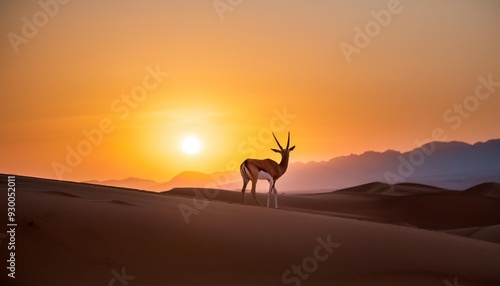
(283, 151)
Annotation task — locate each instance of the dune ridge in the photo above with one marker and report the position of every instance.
(404, 204)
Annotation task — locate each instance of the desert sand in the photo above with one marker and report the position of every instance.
(375, 234)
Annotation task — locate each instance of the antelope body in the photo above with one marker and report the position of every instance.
(265, 169)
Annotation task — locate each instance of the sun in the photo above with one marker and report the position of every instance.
(191, 145)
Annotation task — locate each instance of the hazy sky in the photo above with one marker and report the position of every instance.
(343, 76)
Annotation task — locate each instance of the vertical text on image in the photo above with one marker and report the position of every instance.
(11, 225)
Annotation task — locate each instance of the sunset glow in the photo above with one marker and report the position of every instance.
(191, 145)
(108, 90)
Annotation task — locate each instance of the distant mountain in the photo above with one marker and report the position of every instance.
(450, 165)
(133, 183)
(184, 179)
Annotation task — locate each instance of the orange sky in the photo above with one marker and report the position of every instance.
(224, 74)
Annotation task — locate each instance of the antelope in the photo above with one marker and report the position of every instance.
(265, 169)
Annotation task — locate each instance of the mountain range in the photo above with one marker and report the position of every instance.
(452, 165)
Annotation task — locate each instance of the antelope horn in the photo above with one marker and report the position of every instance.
(277, 141)
(288, 142)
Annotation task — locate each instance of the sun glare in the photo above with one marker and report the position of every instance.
(191, 145)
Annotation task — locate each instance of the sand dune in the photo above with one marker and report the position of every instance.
(491, 190)
(79, 234)
(441, 211)
(404, 204)
(487, 233)
(394, 190)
